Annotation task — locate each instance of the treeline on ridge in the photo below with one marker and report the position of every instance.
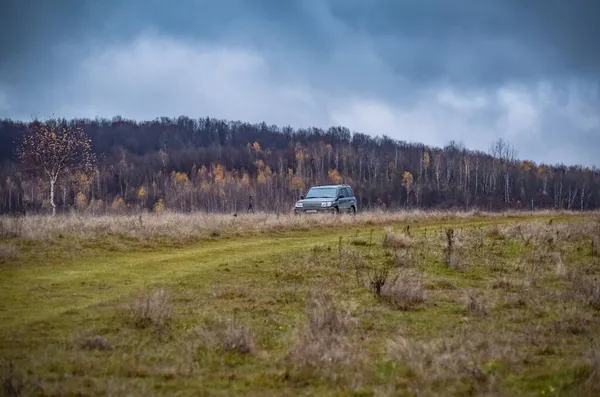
(185, 164)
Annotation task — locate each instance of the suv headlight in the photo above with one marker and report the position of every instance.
(299, 205)
(326, 204)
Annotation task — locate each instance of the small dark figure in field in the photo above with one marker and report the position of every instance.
(250, 204)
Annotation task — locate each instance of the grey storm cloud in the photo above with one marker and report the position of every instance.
(427, 71)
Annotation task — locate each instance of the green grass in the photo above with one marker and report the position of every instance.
(291, 312)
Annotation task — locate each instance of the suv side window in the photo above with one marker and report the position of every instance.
(349, 192)
(344, 192)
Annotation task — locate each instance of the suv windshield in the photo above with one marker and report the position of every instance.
(321, 192)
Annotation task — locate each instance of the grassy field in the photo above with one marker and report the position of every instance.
(416, 304)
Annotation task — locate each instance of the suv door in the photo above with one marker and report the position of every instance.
(344, 203)
(351, 198)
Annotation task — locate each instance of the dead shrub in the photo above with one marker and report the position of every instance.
(360, 242)
(8, 251)
(446, 362)
(596, 245)
(453, 251)
(227, 335)
(406, 292)
(12, 382)
(588, 372)
(403, 258)
(585, 288)
(504, 283)
(95, 342)
(395, 241)
(323, 340)
(571, 320)
(495, 233)
(151, 309)
(475, 304)
(378, 276)
(16, 382)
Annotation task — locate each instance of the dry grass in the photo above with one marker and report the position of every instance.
(151, 309)
(476, 304)
(454, 365)
(324, 339)
(8, 251)
(404, 259)
(94, 342)
(394, 240)
(179, 226)
(596, 245)
(226, 335)
(406, 291)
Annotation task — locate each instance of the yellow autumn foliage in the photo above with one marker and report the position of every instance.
(179, 176)
(426, 160)
(159, 206)
(118, 203)
(219, 173)
(335, 177)
(297, 182)
(407, 179)
(261, 178)
(81, 200)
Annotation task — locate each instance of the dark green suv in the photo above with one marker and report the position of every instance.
(329, 198)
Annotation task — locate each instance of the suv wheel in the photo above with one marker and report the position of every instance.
(353, 210)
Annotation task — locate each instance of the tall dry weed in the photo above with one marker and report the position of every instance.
(324, 338)
(395, 240)
(448, 363)
(226, 335)
(8, 252)
(182, 226)
(151, 309)
(596, 245)
(406, 291)
(475, 303)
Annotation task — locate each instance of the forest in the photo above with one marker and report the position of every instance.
(184, 164)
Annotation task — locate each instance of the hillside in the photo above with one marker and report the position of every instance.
(206, 164)
(480, 305)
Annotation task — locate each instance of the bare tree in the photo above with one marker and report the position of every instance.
(506, 155)
(53, 150)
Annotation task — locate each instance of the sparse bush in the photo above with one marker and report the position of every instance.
(8, 251)
(403, 259)
(494, 232)
(596, 245)
(378, 275)
(151, 309)
(227, 336)
(95, 342)
(561, 270)
(406, 292)
(16, 382)
(12, 381)
(475, 304)
(591, 369)
(323, 340)
(447, 362)
(395, 241)
(451, 251)
(585, 288)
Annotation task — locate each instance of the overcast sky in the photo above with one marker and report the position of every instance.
(425, 71)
